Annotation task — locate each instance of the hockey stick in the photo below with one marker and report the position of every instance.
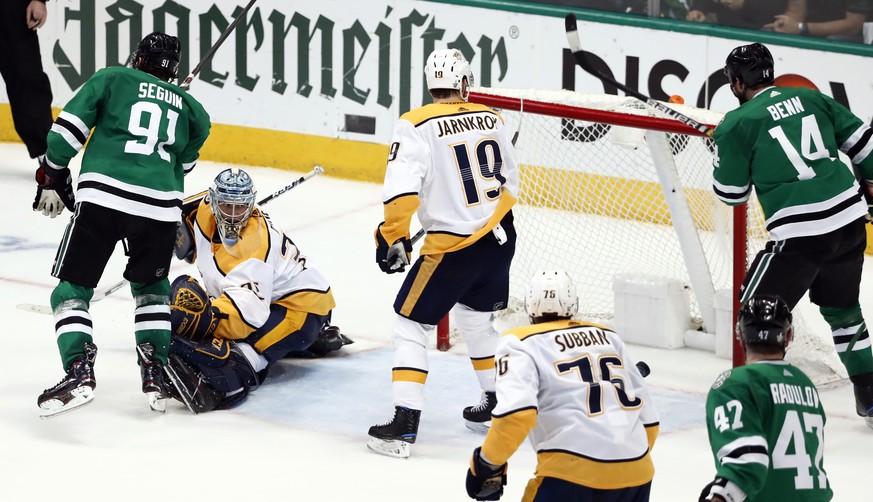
(582, 61)
(211, 52)
(98, 295)
(311, 174)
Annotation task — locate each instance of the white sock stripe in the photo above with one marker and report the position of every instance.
(152, 309)
(851, 330)
(72, 313)
(863, 344)
(152, 325)
(74, 328)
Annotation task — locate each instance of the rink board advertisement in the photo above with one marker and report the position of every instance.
(300, 83)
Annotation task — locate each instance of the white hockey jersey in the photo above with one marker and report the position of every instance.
(572, 386)
(265, 267)
(455, 164)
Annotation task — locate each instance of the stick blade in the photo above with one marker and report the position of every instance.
(37, 309)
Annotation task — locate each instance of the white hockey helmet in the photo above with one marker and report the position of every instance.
(231, 199)
(551, 295)
(446, 69)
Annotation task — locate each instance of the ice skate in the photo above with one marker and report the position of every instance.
(478, 418)
(152, 374)
(394, 438)
(76, 389)
(864, 403)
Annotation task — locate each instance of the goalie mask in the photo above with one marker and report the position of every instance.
(447, 69)
(551, 295)
(231, 199)
(765, 320)
(158, 54)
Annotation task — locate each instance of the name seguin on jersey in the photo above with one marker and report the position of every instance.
(154, 91)
(449, 126)
(573, 339)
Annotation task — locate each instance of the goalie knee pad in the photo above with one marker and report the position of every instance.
(221, 364)
(191, 312)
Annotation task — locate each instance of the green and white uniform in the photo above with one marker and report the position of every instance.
(149, 137)
(766, 429)
(785, 142)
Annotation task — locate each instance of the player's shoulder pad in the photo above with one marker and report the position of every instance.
(722, 379)
(424, 113)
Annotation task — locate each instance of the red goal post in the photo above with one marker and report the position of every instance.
(593, 202)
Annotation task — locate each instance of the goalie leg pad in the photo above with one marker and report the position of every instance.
(191, 312)
(220, 364)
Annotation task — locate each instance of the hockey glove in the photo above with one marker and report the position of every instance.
(54, 190)
(191, 312)
(485, 481)
(393, 258)
(721, 490)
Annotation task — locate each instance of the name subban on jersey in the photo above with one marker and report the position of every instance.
(449, 126)
(580, 339)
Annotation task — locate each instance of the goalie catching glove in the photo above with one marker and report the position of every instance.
(485, 481)
(54, 189)
(393, 258)
(191, 312)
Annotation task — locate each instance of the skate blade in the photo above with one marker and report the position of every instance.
(481, 427)
(391, 447)
(54, 407)
(157, 402)
(869, 421)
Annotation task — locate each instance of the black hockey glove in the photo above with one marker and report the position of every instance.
(393, 258)
(714, 491)
(54, 187)
(485, 481)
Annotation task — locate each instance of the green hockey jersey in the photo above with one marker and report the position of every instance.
(785, 142)
(766, 430)
(147, 135)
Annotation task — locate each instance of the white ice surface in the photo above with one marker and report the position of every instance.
(302, 435)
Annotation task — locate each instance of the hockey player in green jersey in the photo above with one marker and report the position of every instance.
(765, 419)
(146, 136)
(785, 142)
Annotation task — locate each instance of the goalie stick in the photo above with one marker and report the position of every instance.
(103, 293)
(211, 52)
(582, 61)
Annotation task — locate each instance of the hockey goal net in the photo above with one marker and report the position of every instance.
(596, 201)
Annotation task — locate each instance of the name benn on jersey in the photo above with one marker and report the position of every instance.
(581, 339)
(786, 393)
(449, 126)
(785, 108)
(154, 91)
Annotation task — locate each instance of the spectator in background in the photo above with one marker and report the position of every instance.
(27, 85)
(752, 14)
(847, 28)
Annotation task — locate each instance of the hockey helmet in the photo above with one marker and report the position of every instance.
(158, 54)
(752, 63)
(765, 320)
(447, 69)
(551, 295)
(231, 200)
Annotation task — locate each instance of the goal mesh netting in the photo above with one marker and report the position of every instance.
(590, 203)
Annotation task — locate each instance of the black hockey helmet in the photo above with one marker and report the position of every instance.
(765, 320)
(158, 54)
(752, 63)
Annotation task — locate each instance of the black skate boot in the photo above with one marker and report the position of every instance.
(152, 372)
(864, 403)
(75, 390)
(478, 418)
(393, 439)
